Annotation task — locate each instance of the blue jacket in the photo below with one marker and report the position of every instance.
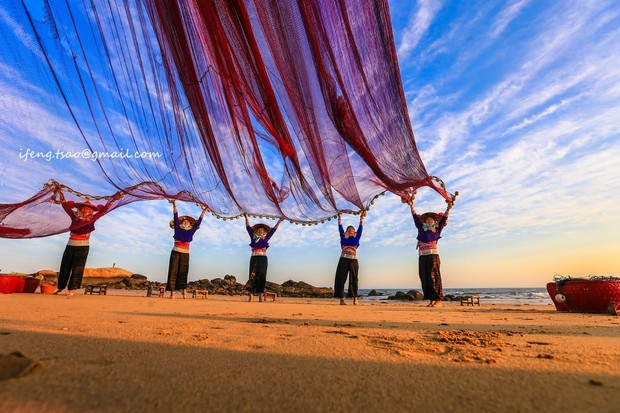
(184, 235)
(260, 243)
(351, 241)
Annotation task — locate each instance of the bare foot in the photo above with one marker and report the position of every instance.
(184, 293)
(251, 297)
(260, 298)
(57, 292)
(71, 292)
(342, 302)
(354, 300)
(430, 304)
(172, 295)
(437, 304)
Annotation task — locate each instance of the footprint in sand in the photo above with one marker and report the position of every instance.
(15, 365)
(336, 332)
(200, 337)
(165, 332)
(436, 351)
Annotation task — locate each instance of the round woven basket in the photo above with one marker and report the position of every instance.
(11, 284)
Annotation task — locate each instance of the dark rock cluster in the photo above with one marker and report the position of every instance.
(292, 288)
(411, 295)
(135, 282)
(229, 286)
(224, 286)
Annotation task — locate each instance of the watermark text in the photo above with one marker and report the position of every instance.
(29, 154)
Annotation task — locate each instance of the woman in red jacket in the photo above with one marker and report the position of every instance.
(83, 216)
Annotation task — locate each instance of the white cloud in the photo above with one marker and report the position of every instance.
(505, 17)
(419, 23)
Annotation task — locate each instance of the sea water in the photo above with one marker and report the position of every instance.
(512, 296)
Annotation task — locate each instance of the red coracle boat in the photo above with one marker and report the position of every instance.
(586, 296)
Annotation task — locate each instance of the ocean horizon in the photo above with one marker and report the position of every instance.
(522, 296)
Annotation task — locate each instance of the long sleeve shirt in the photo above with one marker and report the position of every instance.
(259, 243)
(82, 226)
(351, 241)
(429, 236)
(181, 234)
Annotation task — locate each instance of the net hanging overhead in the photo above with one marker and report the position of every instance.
(273, 107)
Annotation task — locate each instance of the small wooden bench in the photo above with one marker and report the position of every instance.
(99, 289)
(470, 300)
(268, 294)
(200, 293)
(154, 288)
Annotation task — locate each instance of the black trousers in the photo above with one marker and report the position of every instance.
(430, 276)
(258, 273)
(347, 267)
(72, 267)
(177, 271)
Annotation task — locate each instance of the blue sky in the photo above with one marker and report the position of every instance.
(513, 104)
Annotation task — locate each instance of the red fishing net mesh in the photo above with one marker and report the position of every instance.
(273, 107)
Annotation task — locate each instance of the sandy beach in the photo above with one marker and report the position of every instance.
(125, 352)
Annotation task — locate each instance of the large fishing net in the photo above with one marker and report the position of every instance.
(280, 108)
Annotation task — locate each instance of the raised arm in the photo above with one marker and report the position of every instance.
(444, 219)
(412, 208)
(450, 205)
(416, 218)
(68, 207)
(273, 230)
(199, 221)
(204, 210)
(175, 214)
(278, 223)
(360, 227)
(247, 225)
(105, 208)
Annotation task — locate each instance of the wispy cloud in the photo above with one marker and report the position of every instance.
(419, 23)
(536, 137)
(505, 17)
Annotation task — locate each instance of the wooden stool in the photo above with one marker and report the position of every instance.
(470, 300)
(200, 293)
(152, 288)
(99, 289)
(270, 294)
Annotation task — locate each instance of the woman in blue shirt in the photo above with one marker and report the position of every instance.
(260, 234)
(430, 225)
(348, 265)
(178, 268)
